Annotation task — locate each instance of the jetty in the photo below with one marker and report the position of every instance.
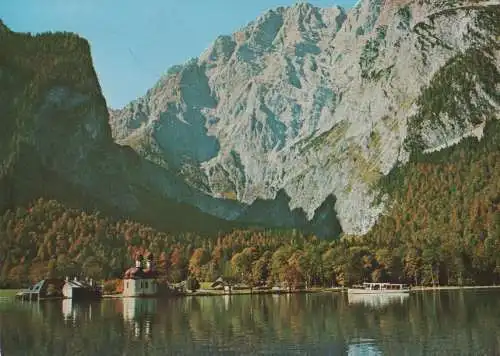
(45, 289)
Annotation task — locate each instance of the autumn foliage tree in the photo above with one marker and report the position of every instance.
(443, 227)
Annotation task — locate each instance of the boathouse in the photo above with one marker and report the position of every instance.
(140, 281)
(76, 289)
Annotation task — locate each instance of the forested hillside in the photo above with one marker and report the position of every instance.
(55, 139)
(443, 227)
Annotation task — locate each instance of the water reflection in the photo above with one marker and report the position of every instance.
(455, 322)
(72, 311)
(138, 314)
(227, 300)
(363, 347)
(67, 309)
(134, 308)
(377, 300)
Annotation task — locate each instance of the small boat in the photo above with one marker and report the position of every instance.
(379, 288)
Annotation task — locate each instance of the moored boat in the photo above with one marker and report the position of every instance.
(379, 288)
(377, 300)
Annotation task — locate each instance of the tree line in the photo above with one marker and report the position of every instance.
(442, 227)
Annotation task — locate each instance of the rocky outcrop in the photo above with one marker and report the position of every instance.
(307, 103)
(56, 140)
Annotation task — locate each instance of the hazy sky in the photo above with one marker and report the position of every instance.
(134, 42)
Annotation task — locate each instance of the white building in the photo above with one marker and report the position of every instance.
(139, 281)
(140, 287)
(76, 289)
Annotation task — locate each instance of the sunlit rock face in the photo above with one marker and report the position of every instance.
(317, 103)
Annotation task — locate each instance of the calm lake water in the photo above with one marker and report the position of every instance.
(424, 323)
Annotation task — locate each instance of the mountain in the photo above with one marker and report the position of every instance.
(307, 111)
(56, 141)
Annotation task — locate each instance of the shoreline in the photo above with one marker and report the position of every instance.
(10, 293)
(215, 293)
(431, 288)
(207, 292)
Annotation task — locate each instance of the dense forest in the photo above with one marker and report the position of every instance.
(443, 227)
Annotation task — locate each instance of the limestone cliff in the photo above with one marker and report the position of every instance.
(307, 103)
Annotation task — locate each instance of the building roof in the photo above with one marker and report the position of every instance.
(35, 288)
(41, 286)
(139, 273)
(77, 284)
(221, 282)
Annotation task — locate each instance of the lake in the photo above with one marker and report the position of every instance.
(463, 322)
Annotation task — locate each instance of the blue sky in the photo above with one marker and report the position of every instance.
(134, 42)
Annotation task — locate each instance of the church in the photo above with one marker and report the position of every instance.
(140, 281)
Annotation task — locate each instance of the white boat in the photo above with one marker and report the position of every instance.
(377, 300)
(379, 288)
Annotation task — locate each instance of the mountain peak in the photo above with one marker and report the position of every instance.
(303, 5)
(314, 102)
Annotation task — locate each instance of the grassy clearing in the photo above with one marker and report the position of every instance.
(205, 285)
(331, 137)
(368, 171)
(229, 195)
(8, 293)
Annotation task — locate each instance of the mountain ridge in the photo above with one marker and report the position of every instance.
(314, 102)
(56, 143)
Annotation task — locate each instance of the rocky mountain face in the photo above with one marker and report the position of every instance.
(295, 118)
